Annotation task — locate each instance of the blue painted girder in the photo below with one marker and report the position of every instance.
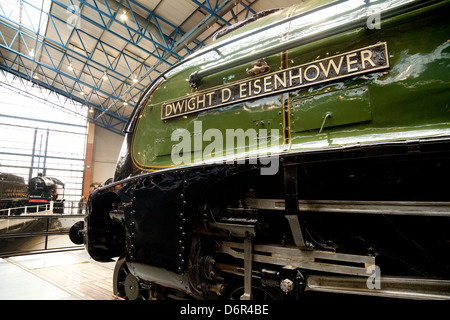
(52, 54)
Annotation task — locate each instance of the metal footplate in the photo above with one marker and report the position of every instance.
(401, 208)
(241, 228)
(351, 272)
(248, 267)
(394, 287)
(293, 257)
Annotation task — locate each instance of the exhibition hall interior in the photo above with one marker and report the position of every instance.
(224, 150)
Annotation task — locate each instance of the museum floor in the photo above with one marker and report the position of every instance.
(70, 275)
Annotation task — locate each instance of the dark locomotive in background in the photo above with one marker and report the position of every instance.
(15, 193)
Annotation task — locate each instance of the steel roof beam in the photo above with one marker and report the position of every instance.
(74, 54)
(117, 127)
(74, 77)
(57, 53)
(129, 29)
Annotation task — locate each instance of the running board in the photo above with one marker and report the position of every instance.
(392, 287)
(406, 208)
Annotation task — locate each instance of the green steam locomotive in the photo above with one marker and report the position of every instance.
(305, 149)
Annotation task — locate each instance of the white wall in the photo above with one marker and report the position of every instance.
(106, 150)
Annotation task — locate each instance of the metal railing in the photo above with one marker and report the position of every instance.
(37, 229)
(42, 209)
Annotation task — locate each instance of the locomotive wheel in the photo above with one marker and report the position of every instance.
(260, 293)
(131, 286)
(125, 284)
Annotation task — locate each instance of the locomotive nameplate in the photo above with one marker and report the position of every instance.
(363, 60)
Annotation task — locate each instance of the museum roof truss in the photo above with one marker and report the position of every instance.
(103, 53)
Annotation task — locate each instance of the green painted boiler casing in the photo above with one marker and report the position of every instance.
(407, 100)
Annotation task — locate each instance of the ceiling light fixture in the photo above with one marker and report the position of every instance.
(32, 53)
(123, 16)
(135, 79)
(105, 76)
(70, 67)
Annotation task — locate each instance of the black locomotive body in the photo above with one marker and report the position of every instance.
(43, 190)
(193, 231)
(40, 190)
(13, 191)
